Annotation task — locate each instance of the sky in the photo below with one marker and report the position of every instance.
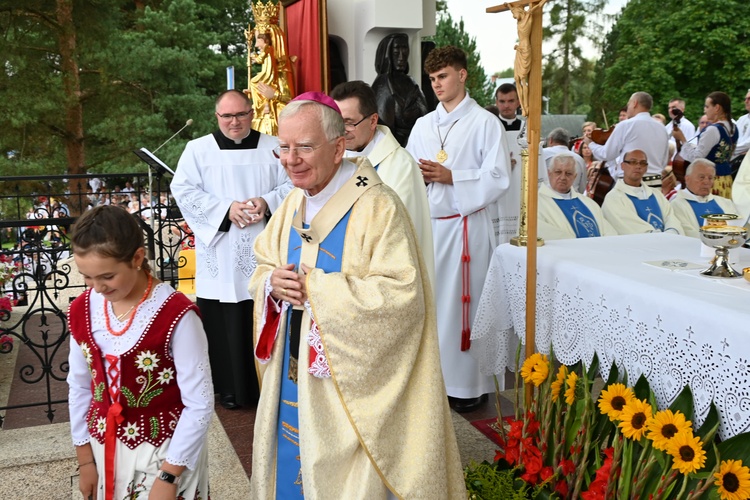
(496, 34)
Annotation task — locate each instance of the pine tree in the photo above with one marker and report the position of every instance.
(448, 32)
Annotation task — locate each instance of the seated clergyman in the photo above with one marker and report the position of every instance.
(696, 200)
(632, 207)
(563, 212)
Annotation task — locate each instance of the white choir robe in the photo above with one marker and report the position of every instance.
(398, 170)
(478, 161)
(741, 189)
(581, 177)
(508, 206)
(207, 181)
(686, 214)
(553, 225)
(621, 213)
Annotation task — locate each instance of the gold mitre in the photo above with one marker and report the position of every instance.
(265, 15)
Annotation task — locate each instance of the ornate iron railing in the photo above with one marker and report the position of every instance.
(36, 214)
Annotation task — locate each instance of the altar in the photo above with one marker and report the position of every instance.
(635, 300)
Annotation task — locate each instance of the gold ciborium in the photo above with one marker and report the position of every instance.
(717, 234)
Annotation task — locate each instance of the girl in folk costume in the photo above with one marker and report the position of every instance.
(141, 395)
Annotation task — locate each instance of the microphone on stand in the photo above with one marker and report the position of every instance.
(187, 124)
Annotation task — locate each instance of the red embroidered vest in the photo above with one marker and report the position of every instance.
(149, 395)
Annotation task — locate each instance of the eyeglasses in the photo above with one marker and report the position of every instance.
(229, 117)
(300, 151)
(642, 163)
(352, 126)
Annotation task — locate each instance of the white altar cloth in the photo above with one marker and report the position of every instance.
(599, 295)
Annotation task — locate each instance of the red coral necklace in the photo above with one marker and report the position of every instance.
(132, 316)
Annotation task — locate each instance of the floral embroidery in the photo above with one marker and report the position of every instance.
(166, 376)
(86, 350)
(147, 361)
(101, 425)
(131, 431)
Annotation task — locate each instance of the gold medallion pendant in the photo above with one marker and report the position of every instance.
(441, 156)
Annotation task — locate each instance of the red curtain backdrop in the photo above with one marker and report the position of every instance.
(303, 34)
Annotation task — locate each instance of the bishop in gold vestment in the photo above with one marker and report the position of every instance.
(374, 420)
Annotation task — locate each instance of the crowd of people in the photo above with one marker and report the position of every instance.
(337, 281)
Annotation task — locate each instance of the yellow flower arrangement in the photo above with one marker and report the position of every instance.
(633, 418)
(687, 452)
(556, 387)
(613, 399)
(733, 480)
(570, 392)
(535, 369)
(664, 426)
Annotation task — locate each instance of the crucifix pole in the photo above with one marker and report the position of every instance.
(528, 77)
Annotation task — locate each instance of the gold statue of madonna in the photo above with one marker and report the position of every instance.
(273, 86)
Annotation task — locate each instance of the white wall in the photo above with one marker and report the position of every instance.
(361, 24)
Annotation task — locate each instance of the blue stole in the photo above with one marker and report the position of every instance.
(649, 211)
(579, 217)
(704, 208)
(721, 153)
(288, 465)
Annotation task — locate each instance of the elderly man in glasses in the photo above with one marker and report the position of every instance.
(225, 183)
(632, 207)
(345, 333)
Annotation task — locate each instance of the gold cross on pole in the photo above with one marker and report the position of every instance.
(528, 77)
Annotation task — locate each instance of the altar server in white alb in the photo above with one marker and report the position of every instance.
(563, 212)
(225, 183)
(394, 165)
(696, 200)
(459, 148)
(632, 207)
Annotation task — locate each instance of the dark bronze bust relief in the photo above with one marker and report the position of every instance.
(400, 100)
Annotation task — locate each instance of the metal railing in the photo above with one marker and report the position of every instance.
(36, 215)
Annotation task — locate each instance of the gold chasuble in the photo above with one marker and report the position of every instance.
(381, 421)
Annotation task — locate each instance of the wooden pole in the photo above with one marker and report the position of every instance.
(534, 127)
(529, 211)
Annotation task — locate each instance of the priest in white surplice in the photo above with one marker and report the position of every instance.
(224, 185)
(563, 212)
(632, 207)
(460, 151)
(509, 204)
(395, 166)
(557, 143)
(696, 200)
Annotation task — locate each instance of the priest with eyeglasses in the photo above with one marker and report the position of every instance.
(632, 207)
(563, 212)
(225, 183)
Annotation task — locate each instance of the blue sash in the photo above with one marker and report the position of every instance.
(649, 211)
(705, 208)
(579, 217)
(288, 466)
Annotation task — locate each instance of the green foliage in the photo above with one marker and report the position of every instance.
(506, 73)
(693, 49)
(486, 481)
(567, 76)
(448, 32)
(143, 71)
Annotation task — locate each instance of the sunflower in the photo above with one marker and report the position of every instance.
(687, 452)
(733, 480)
(570, 392)
(562, 373)
(613, 399)
(664, 426)
(535, 369)
(633, 418)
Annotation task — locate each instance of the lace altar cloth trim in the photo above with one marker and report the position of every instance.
(700, 349)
